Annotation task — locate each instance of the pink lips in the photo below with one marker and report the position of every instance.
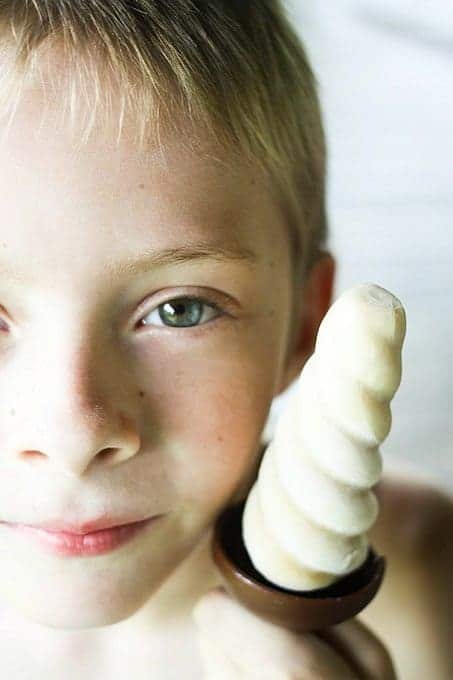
(87, 527)
(92, 543)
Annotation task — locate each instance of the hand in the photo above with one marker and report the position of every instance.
(236, 644)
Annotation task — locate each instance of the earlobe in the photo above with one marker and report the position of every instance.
(315, 300)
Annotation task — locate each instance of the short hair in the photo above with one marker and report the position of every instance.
(236, 66)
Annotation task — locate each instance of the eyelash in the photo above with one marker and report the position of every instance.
(183, 298)
(142, 327)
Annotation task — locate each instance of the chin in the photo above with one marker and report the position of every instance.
(60, 617)
(83, 593)
(89, 601)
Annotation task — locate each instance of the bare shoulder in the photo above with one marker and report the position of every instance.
(412, 611)
(415, 514)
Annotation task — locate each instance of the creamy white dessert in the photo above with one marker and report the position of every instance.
(305, 519)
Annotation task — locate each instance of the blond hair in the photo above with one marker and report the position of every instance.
(236, 66)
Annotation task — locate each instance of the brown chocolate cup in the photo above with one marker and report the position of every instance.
(299, 611)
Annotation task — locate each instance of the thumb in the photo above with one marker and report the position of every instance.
(208, 605)
(217, 664)
(219, 614)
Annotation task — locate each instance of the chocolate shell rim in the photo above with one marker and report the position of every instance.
(348, 586)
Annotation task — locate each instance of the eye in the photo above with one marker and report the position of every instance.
(182, 312)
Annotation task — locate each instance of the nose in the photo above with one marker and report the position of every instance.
(70, 406)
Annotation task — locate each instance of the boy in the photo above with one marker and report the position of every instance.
(162, 279)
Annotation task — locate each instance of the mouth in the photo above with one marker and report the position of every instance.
(88, 527)
(83, 542)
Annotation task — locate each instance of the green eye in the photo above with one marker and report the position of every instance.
(181, 312)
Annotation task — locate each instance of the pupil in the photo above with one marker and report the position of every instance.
(173, 312)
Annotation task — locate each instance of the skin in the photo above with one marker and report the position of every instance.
(419, 553)
(103, 416)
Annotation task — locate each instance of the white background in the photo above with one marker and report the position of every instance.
(385, 73)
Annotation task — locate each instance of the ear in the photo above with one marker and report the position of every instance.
(310, 308)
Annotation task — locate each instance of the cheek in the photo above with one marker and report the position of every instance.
(213, 440)
(210, 412)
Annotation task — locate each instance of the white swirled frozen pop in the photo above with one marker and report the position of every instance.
(305, 519)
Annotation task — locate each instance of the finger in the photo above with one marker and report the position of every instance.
(216, 613)
(263, 650)
(216, 665)
(361, 649)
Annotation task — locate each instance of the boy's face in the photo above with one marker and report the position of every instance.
(101, 415)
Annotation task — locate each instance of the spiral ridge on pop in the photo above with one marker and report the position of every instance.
(305, 519)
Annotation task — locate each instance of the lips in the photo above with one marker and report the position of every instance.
(88, 544)
(104, 522)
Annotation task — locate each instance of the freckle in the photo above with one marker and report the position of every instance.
(219, 438)
(141, 186)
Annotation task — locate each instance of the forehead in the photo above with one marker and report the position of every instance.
(115, 198)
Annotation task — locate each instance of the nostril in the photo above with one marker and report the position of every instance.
(113, 456)
(107, 453)
(31, 454)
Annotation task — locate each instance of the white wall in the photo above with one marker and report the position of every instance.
(385, 70)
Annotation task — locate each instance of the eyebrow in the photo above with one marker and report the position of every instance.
(169, 256)
(184, 254)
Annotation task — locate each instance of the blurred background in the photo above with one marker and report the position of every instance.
(385, 74)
